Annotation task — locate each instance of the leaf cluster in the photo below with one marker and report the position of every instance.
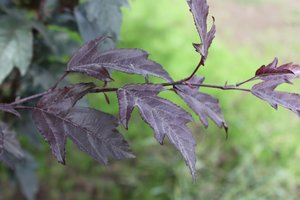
(94, 132)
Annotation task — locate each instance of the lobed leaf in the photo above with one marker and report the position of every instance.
(94, 132)
(164, 117)
(49, 111)
(89, 61)
(10, 109)
(272, 76)
(199, 9)
(266, 91)
(204, 105)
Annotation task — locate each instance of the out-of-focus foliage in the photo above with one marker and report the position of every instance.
(100, 17)
(16, 39)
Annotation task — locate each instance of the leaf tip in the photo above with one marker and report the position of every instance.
(61, 161)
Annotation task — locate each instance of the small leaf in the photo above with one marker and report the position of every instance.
(204, 105)
(89, 61)
(164, 117)
(266, 91)
(10, 109)
(16, 42)
(272, 77)
(285, 71)
(199, 9)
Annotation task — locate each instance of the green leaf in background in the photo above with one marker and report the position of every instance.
(15, 46)
(100, 18)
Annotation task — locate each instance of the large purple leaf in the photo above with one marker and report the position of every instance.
(89, 61)
(9, 146)
(164, 117)
(266, 91)
(199, 9)
(10, 109)
(94, 132)
(49, 113)
(204, 105)
(273, 71)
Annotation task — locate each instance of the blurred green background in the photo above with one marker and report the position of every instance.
(260, 158)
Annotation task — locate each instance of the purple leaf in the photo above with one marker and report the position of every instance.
(164, 117)
(9, 146)
(285, 71)
(89, 61)
(199, 9)
(49, 113)
(60, 100)
(94, 132)
(273, 76)
(83, 61)
(266, 91)
(204, 105)
(10, 109)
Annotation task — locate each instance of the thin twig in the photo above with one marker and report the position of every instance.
(24, 107)
(201, 63)
(19, 101)
(100, 90)
(246, 81)
(221, 87)
(180, 82)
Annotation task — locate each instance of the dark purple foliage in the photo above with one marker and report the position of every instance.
(50, 113)
(164, 117)
(266, 91)
(199, 9)
(92, 131)
(204, 105)
(272, 71)
(95, 132)
(272, 77)
(88, 60)
(10, 109)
